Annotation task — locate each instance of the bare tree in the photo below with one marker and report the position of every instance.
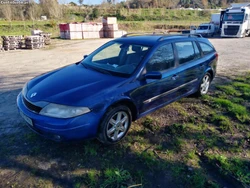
(7, 12)
(32, 11)
(51, 8)
(204, 3)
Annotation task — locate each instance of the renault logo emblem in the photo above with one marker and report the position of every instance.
(33, 95)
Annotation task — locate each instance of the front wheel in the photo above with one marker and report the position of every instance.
(114, 125)
(204, 84)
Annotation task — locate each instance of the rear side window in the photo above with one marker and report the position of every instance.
(185, 51)
(206, 49)
(162, 59)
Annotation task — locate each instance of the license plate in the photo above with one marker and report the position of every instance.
(27, 119)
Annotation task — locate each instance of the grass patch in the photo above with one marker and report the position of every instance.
(92, 178)
(236, 167)
(229, 90)
(238, 111)
(115, 177)
(224, 122)
(150, 124)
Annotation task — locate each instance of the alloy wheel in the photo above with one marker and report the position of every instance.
(117, 125)
(205, 84)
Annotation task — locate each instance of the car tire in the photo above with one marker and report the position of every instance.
(115, 125)
(204, 84)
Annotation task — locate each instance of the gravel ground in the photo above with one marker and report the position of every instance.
(17, 67)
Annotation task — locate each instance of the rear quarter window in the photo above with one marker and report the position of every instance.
(186, 51)
(205, 48)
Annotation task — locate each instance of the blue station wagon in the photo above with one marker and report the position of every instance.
(123, 80)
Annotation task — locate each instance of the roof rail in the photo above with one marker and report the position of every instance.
(180, 35)
(170, 35)
(146, 33)
(195, 35)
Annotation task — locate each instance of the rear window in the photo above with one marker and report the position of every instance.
(206, 49)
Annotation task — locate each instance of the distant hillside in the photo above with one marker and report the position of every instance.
(204, 4)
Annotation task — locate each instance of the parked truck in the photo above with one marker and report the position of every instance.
(236, 20)
(208, 29)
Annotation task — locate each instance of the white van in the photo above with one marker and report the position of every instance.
(206, 30)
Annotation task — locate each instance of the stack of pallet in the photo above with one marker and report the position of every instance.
(1, 45)
(110, 28)
(34, 42)
(47, 39)
(12, 42)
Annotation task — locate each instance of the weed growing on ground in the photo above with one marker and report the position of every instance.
(90, 149)
(92, 178)
(229, 90)
(115, 177)
(236, 167)
(224, 122)
(238, 111)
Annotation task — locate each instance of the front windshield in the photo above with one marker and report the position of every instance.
(116, 58)
(233, 17)
(203, 27)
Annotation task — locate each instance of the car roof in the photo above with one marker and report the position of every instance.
(151, 40)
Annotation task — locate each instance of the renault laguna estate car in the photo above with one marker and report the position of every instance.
(123, 80)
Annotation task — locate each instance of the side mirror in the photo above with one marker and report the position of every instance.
(153, 75)
(85, 56)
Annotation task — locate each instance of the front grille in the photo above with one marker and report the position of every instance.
(231, 30)
(31, 106)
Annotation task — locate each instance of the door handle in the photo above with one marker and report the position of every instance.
(175, 77)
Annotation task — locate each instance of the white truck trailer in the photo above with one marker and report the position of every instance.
(236, 20)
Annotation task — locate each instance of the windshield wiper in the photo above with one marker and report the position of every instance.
(98, 69)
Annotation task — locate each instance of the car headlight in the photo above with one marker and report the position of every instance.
(63, 111)
(25, 89)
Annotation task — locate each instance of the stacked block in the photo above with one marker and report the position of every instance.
(110, 28)
(12, 42)
(34, 42)
(47, 39)
(107, 29)
(92, 30)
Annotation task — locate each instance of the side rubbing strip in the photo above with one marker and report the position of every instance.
(168, 92)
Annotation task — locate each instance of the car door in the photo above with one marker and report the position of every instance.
(190, 66)
(154, 93)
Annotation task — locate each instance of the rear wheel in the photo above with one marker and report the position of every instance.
(204, 84)
(115, 124)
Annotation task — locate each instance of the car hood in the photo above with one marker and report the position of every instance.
(69, 85)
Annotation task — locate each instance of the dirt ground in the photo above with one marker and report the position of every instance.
(17, 67)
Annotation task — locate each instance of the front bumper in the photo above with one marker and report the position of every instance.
(80, 127)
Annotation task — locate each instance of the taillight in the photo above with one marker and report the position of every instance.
(216, 55)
